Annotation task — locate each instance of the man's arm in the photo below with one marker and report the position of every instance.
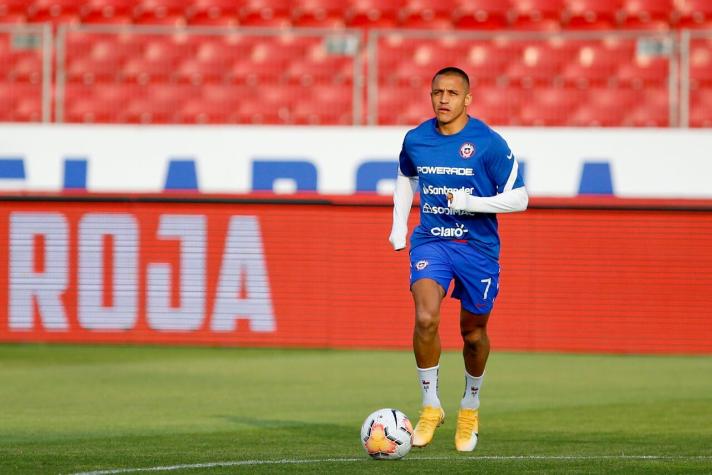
(402, 202)
(506, 202)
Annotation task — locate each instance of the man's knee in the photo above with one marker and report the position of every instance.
(475, 337)
(427, 320)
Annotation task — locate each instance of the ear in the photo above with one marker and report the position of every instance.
(468, 99)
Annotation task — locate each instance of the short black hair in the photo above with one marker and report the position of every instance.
(455, 71)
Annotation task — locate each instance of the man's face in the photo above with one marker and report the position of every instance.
(450, 96)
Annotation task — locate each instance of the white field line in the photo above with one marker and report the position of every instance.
(237, 463)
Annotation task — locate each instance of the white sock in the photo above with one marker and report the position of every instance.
(471, 397)
(428, 379)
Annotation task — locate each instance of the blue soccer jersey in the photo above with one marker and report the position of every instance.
(476, 159)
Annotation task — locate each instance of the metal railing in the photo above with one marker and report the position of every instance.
(164, 74)
(26, 59)
(303, 74)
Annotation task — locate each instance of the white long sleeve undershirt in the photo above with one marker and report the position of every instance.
(402, 202)
(506, 202)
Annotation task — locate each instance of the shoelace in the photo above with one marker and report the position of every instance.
(466, 426)
(427, 422)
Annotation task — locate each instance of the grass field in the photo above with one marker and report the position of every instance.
(69, 409)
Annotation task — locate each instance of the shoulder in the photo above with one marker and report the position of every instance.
(422, 131)
(490, 139)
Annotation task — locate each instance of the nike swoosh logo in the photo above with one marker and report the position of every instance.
(509, 157)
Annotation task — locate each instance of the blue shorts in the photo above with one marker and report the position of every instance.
(476, 274)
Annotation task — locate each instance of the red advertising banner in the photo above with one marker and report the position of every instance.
(577, 275)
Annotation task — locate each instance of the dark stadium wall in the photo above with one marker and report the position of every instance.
(578, 275)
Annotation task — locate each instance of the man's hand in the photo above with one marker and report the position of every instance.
(457, 200)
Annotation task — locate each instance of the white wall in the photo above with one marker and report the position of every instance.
(643, 162)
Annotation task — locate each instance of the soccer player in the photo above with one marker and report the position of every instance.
(466, 174)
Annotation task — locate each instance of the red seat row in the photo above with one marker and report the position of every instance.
(465, 14)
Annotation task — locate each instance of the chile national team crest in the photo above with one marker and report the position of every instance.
(467, 150)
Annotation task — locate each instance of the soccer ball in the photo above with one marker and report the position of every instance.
(387, 434)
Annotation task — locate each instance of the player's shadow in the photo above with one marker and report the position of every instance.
(254, 422)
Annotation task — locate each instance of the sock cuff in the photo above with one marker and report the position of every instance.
(475, 377)
(428, 369)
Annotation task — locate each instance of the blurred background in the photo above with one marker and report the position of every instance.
(610, 63)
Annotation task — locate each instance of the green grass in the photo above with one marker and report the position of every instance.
(67, 409)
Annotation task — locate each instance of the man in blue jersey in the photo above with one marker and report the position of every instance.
(466, 174)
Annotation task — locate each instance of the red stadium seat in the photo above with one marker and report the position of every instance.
(318, 12)
(213, 12)
(161, 12)
(701, 108)
(482, 14)
(605, 107)
(644, 71)
(538, 65)
(694, 14)
(373, 13)
(26, 66)
(550, 107)
(211, 62)
(13, 11)
(265, 13)
(486, 63)
(538, 14)
(326, 105)
(107, 11)
(652, 111)
(217, 104)
(392, 99)
(648, 14)
(592, 14)
(423, 12)
(700, 64)
(496, 105)
(64, 11)
(595, 65)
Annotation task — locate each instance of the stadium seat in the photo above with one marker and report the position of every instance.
(64, 11)
(550, 107)
(107, 11)
(594, 65)
(652, 110)
(161, 12)
(485, 63)
(496, 105)
(542, 15)
(265, 13)
(390, 100)
(318, 12)
(694, 14)
(424, 12)
(701, 108)
(482, 14)
(326, 105)
(644, 71)
(372, 13)
(647, 14)
(13, 11)
(213, 12)
(210, 63)
(161, 57)
(537, 65)
(592, 14)
(605, 107)
(700, 64)
(26, 66)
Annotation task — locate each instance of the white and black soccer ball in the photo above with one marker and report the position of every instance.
(387, 434)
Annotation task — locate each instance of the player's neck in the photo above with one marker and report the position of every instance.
(454, 126)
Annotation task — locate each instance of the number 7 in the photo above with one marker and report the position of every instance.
(488, 281)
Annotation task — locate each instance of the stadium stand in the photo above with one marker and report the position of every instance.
(563, 59)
